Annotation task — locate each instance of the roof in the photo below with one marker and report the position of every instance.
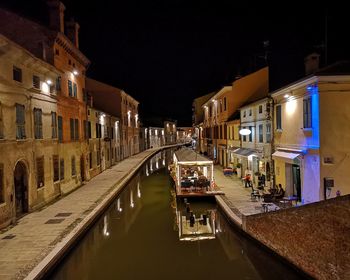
(34, 36)
(339, 68)
(105, 97)
(187, 155)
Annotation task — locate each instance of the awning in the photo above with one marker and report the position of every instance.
(286, 157)
(244, 152)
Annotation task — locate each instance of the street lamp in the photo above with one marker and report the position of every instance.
(245, 131)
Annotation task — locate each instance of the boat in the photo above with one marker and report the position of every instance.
(193, 174)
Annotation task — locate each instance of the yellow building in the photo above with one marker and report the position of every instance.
(312, 135)
(29, 154)
(224, 104)
(233, 139)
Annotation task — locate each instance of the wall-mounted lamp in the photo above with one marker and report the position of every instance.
(245, 131)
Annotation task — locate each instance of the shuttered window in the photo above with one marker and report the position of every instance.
(38, 124)
(278, 117)
(54, 124)
(56, 168)
(20, 122)
(307, 110)
(2, 183)
(61, 169)
(60, 128)
(40, 172)
(74, 171)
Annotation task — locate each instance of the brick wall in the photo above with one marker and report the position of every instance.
(314, 237)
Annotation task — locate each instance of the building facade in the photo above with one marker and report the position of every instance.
(311, 135)
(29, 162)
(170, 128)
(117, 103)
(255, 151)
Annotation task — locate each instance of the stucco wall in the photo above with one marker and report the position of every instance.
(335, 135)
(314, 237)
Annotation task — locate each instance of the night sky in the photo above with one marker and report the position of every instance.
(165, 53)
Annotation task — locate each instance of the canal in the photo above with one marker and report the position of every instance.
(147, 234)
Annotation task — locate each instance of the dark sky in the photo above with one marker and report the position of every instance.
(167, 52)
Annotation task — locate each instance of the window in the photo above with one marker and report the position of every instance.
(307, 110)
(56, 168)
(58, 83)
(220, 105)
(107, 154)
(250, 112)
(17, 74)
(90, 160)
(1, 124)
(224, 103)
(1, 183)
(89, 130)
(75, 90)
(69, 62)
(244, 136)
(74, 171)
(244, 114)
(251, 134)
(261, 135)
(98, 157)
(54, 124)
(60, 128)
(36, 82)
(260, 109)
(40, 172)
(61, 169)
(278, 117)
(20, 122)
(38, 124)
(76, 129)
(70, 88)
(57, 51)
(98, 130)
(268, 133)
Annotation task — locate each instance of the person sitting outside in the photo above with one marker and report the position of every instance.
(279, 192)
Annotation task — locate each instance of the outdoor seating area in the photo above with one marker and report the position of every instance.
(193, 174)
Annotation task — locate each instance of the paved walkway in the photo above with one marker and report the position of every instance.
(237, 197)
(45, 232)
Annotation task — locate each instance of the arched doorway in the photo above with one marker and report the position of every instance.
(21, 189)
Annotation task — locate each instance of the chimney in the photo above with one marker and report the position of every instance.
(312, 63)
(56, 15)
(73, 32)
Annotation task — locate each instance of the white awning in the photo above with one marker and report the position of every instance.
(287, 157)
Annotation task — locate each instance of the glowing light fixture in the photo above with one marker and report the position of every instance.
(75, 73)
(286, 95)
(245, 131)
(49, 82)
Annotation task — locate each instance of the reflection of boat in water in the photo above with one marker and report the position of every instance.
(193, 174)
(196, 221)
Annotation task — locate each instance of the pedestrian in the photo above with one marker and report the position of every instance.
(247, 178)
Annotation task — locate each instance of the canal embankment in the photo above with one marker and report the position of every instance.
(313, 237)
(37, 241)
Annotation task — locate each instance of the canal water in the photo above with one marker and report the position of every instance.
(147, 234)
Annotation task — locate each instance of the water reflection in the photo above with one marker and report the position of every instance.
(141, 237)
(195, 221)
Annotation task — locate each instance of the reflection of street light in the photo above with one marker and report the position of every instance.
(105, 226)
(245, 131)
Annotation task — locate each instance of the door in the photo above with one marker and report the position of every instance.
(296, 181)
(21, 189)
